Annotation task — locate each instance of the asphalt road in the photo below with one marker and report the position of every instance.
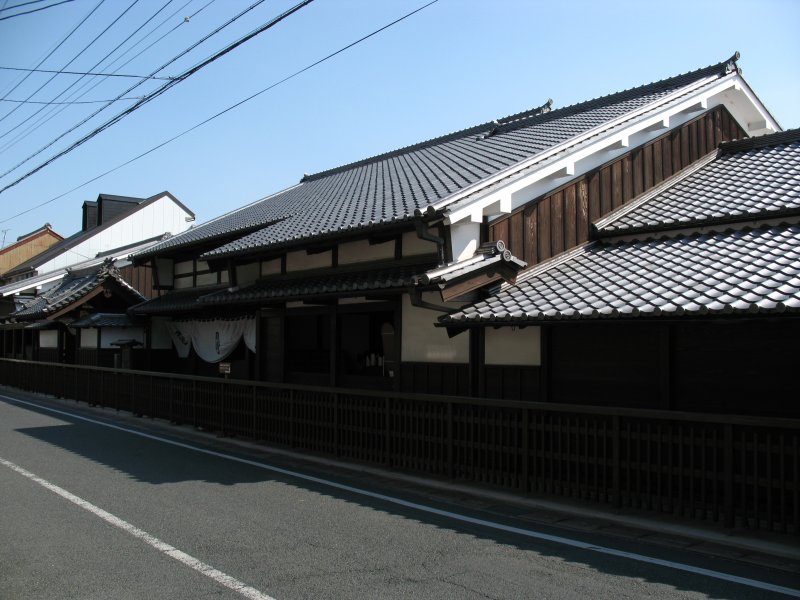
(91, 511)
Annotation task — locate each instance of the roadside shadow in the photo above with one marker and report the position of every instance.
(154, 462)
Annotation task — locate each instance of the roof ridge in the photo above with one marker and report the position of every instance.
(762, 141)
(601, 224)
(453, 135)
(544, 112)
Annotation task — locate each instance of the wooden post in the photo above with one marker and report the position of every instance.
(450, 441)
(727, 504)
(616, 476)
(387, 432)
(526, 417)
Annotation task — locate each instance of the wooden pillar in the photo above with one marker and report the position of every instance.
(334, 346)
(665, 367)
(477, 362)
(544, 377)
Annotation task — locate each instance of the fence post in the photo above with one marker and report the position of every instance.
(450, 441)
(194, 403)
(336, 424)
(292, 418)
(616, 479)
(727, 515)
(253, 432)
(387, 444)
(526, 418)
(222, 410)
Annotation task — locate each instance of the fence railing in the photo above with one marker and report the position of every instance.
(737, 471)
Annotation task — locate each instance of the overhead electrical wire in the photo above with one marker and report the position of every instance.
(21, 4)
(220, 113)
(117, 47)
(49, 54)
(35, 10)
(70, 102)
(73, 59)
(166, 86)
(80, 94)
(85, 73)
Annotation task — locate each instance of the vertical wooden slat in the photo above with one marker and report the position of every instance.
(557, 222)
(570, 217)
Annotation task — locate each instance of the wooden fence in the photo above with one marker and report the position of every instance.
(736, 471)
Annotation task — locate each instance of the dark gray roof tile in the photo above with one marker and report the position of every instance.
(612, 287)
(390, 187)
(750, 180)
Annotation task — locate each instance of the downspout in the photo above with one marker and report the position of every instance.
(421, 228)
(414, 294)
(416, 300)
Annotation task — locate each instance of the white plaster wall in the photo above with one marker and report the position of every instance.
(413, 246)
(271, 267)
(464, 239)
(363, 251)
(159, 334)
(183, 283)
(207, 279)
(108, 335)
(157, 218)
(422, 342)
(513, 346)
(89, 338)
(183, 267)
(246, 274)
(300, 261)
(48, 338)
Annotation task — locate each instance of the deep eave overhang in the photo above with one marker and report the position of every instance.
(533, 177)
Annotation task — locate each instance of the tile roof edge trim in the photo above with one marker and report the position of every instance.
(600, 224)
(444, 203)
(721, 68)
(75, 239)
(300, 242)
(762, 141)
(550, 263)
(147, 254)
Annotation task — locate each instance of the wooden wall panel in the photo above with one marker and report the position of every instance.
(561, 220)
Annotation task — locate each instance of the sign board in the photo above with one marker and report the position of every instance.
(225, 368)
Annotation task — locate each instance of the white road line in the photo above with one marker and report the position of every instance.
(538, 535)
(190, 561)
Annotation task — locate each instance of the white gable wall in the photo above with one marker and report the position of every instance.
(155, 219)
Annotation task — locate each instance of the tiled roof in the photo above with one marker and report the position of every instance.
(174, 302)
(76, 238)
(749, 179)
(750, 267)
(331, 282)
(745, 271)
(72, 289)
(390, 187)
(103, 320)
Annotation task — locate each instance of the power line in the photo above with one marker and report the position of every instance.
(168, 85)
(222, 112)
(79, 95)
(73, 59)
(35, 10)
(118, 46)
(70, 102)
(98, 111)
(21, 4)
(49, 54)
(83, 73)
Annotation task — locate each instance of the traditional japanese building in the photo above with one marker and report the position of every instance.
(340, 280)
(48, 301)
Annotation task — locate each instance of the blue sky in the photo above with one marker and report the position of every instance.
(455, 64)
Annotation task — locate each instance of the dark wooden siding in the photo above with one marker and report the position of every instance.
(435, 378)
(141, 279)
(560, 221)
